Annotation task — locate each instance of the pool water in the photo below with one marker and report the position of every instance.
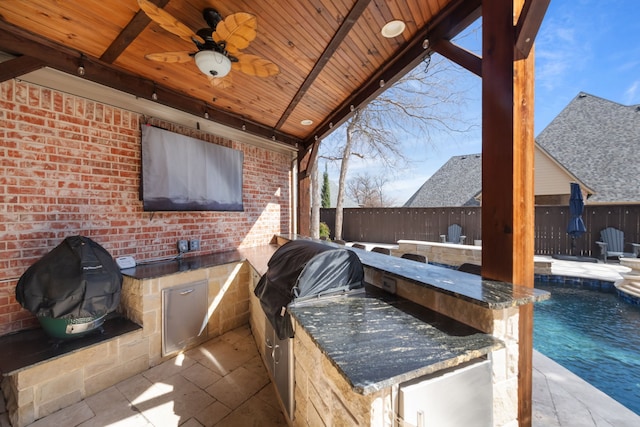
(594, 334)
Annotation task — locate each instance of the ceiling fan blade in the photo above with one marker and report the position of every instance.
(184, 56)
(237, 30)
(220, 82)
(167, 21)
(255, 66)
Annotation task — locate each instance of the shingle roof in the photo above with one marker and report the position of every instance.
(598, 141)
(456, 183)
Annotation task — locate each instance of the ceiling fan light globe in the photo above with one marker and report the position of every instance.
(213, 63)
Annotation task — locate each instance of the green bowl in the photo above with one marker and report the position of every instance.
(71, 328)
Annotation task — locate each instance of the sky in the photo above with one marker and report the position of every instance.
(586, 46)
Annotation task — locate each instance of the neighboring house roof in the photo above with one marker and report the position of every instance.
(598, 141)
(593, 141)
(457, 183)
(552, 178)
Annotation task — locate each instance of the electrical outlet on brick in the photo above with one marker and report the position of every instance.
(194, 245)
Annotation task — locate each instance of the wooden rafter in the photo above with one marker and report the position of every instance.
(456, 17)
(308, 159)
(529, 22)
(18, 66)
(16, 41)
(460, 56)
(354, 14)
(526, 30)
(450, 22)
(133, 29)
(304, 53)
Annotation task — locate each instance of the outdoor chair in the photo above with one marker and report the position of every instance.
(381, 250)
(415, 257)
(612, 244)
(454, 235)
(471, 268)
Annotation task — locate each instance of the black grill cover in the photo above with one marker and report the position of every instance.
(77, 279)
(303, 269)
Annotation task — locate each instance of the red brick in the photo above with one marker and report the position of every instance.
(78, 172)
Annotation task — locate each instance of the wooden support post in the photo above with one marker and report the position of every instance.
(304, 206)
(306, 160)
(507, 171)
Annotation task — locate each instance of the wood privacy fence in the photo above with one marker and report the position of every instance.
(388, 225)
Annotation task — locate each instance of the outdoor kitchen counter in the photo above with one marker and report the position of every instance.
(489, 294)
(374, 340)
(258, 257)
(156, 269)
(378, 344)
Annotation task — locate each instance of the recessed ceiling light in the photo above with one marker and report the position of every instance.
(306, 122)
(393, 29)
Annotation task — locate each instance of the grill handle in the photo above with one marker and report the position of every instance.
(275, 354)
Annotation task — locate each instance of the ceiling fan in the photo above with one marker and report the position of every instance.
(218, 45)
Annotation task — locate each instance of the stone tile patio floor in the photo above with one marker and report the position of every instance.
(224, 383)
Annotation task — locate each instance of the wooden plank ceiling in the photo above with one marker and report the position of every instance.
(330, 53)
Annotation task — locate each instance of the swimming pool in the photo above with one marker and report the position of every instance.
(595, 335)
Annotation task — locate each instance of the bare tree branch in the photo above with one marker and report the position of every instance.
(423, 101)
(368, 191)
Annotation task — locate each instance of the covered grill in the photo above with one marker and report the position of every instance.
(303, 269)
(72, 288)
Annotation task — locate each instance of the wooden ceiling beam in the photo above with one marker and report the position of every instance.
(305, 167)
(18, 66)
(354, 14)
(457, 16)
(133, 29)
(460, 56)
(528, 25)
(451, 21)
(16, 41)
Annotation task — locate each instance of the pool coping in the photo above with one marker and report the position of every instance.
(595, 284)
(563, 399)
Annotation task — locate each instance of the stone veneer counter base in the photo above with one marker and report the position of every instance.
(29, 348)
(52, 378)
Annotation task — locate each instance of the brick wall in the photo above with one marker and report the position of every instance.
(71, 166)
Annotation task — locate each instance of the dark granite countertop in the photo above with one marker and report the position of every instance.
(377, 340)
(152, 270)
(257, 256)
(469, 287)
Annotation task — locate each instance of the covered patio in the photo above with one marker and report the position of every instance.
(331, 59)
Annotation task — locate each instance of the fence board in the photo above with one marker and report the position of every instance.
(388, 225)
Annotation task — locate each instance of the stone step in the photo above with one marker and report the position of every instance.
(631, 284)
(630, 288)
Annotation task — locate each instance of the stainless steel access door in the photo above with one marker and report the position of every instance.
(279, 361)
(459, 397)
(184, 314)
